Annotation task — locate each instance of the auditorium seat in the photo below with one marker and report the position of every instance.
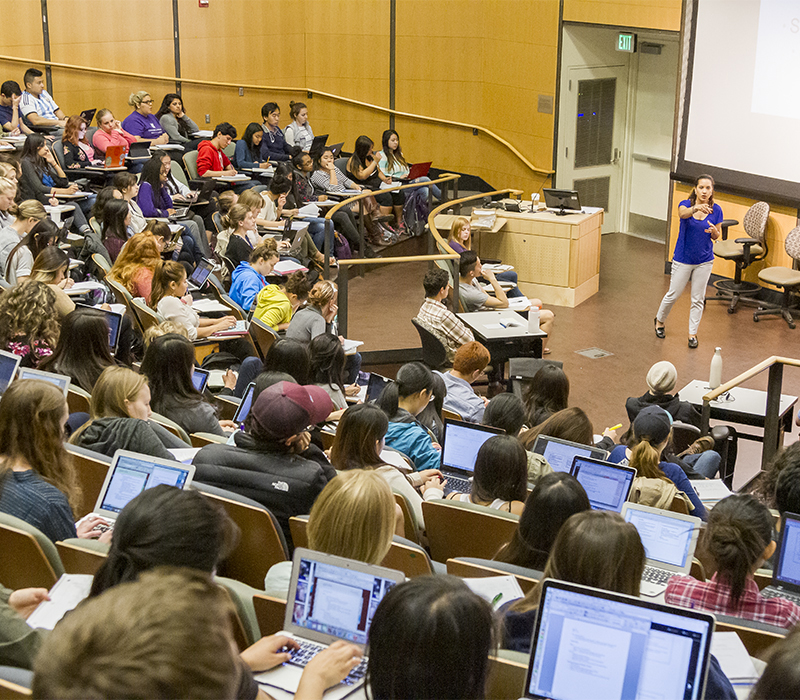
(30, 559)
(473, 567)
(434, 353)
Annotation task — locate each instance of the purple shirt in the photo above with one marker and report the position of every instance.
(147, 203)
(148, 127)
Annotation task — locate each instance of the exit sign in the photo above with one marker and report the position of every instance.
(626, 42)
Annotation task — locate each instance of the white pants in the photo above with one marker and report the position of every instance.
(681, 274)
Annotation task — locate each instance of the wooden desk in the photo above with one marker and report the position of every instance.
(557, 258)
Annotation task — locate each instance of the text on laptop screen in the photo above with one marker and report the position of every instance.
(592, 647)
(665, 539)
(461, 445)
(8, 366)
(60, 381)
(132, 476)
(338, 601)
(789, 569)
(606, 486)
(560, 456)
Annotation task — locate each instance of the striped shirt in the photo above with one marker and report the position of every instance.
(322, 181)
(44, 105)
(27, 496)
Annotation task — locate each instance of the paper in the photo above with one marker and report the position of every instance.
(118, 308)
(493, 326)
(208, 305)
(519, 302)
(215, 378)
(711, 490)
(232, 178)
(69, 590)
(733, 657)
(183, 454)
(351, 345)
(497, 268)
(498, 590)
(287, 267)
(395, 459)
(74, 237)
(80, 288)
(487, 287)
(204, 133)
(310, 209)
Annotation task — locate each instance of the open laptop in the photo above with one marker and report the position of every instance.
(318, 143)
(330, 598)
(786, 575)
(417, 170)
(88, 115)
(336, 149)
(669, 541)
(131, 473)
(589, 643)
(371, 391)
(114, 321)
(200, 275)
(60, 380)
(8, 368)
(115, 157)
(460, 444)
(607, 485)
(560, 453)
(200, 379)
(244, 406)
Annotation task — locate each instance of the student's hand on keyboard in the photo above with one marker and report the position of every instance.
(326, 669)
(86, 528)
(434, 482)
(269, 652)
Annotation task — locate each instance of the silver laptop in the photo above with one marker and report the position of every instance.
(330, 598)
(669, 541)
(60, 380)
(786, 575)
(560, 453)
(607, 485)
(460, 444)
(8, 368)
(589, 643)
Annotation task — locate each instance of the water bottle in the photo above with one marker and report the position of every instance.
(715, 376)
(533, 319)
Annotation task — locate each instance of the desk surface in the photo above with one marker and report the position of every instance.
(487, 324)
(749, 401)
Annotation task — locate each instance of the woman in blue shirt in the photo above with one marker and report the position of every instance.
(694, 254)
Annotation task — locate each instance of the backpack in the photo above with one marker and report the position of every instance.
(415, 211)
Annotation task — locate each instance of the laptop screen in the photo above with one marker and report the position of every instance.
(132, 474)
(560, 453)
(61, 381)
(788, 568)
(113, 319)
(199, 379)
(244, 407)
(201, 273)
(666, 539)
(594, 644)
(336, 600)
(8, 365)
(607, 485)
(375, 386)
(461, 442)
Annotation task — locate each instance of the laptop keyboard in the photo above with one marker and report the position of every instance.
(456, 483)
(308, 650)
(771, 592)
(659, 577)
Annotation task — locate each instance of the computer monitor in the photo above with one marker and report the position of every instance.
(563, 201)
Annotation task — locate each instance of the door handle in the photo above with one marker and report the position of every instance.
(617, 154)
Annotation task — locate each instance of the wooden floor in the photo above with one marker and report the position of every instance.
(618, 319)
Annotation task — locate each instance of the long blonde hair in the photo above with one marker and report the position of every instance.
(645, 459)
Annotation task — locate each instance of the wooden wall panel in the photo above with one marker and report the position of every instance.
(25, 40)
(646, 14)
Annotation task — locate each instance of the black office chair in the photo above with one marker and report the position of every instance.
(434, 353)
(743, 252)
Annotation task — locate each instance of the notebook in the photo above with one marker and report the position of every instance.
(200, 379)
(8, 368)
(589, 643)
(131, 473)
(61, 381)
(560, 453)
(330, 598)
(607, 485)
(460, 444)
(669, 541)
(200, 275)
(244, 406)
(114, 321)
(786, 575)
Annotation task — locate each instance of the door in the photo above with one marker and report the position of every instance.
(592, 136)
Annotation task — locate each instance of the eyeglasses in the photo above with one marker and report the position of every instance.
(147, 102)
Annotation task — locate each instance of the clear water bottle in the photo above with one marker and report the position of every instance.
(533, 319)
(715, 376)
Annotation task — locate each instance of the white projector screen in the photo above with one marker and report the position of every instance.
(741, 108)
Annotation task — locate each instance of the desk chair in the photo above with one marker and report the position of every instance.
(15, 683)
(452, 415)
(30, 559)
(190, 164)
(91, 469)
(172, 426)
(246, 630)
(473, 567)
(176, 171)
(743, 252)
(203, 439)
(225, 300)
(507, 673)
(788, 278)
(434, 353)
(269, 613)
(409, 521)
(229, 266)
(121, 294)
(216, 219)
(144, 314)
(78, 400)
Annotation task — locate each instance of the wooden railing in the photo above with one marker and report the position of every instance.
(775, 366)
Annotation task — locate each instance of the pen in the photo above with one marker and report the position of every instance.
(497, 599)
(616, 427)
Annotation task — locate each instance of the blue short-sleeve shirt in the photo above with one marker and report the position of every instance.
(694, 244)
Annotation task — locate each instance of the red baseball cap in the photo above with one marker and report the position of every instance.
(286, 409)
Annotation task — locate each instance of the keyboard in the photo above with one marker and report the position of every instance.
(659, 577)
(771, 592)
(456, 483)
(308, 650)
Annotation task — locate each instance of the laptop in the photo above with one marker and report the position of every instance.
(560, 453)
(200, 275)
(88, 115)
(200, 379)
(61, 381)
(8, 368)
(330, 598)
(417, 170)
(786, 575)
(607, 485)
(114, 321)
(460, 444)
(336, 149)
(318, 143)
(589, 643)
(244, 406)
(115, 157)
(131, 473)
(140, 149)
(669, 541)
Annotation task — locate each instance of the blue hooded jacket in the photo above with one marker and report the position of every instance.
(408, 436)
(246, 283)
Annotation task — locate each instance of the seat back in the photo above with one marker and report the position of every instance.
(470, 567)
(225, 300)
(177, 173)
(452, 415)
(101, 265)
(78, 400)
(58, 150)
(147, 317)
(98, 229)
(434, 353)
(216, 219)
(91, 472)
(341, 163)
(122, 295)
(77, 558)
(506, 675)
(757, 637)
(9, 690)
(29, 559)
(298, 526)
(269, 613)
(792, 245)
(683, 435)
(457, 529)
(172, 426)
(409, 521)
(263, 337)
(755, 221)
(190, 163)
(246, 625)
(230, 150)
(203, 439)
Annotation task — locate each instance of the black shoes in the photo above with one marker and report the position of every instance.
(660, 332)
(693, 343)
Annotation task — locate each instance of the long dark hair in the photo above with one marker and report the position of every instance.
(392, 156)
(290, 356)
(151, 174)
(361, 157)
(555, 498)
(318, 157)
(254, 151)
(693, 195)
(507, 412)
(411, 379)
(183, 128)
(568, 424)
(360, 428)
(501, 471)
(114, 215)
(547, 393)
(82, 352)
(168, 365)
(104, 196)
(43, 234)
(327, 360)
(30, 151)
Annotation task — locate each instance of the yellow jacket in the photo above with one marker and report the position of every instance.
(273, 306)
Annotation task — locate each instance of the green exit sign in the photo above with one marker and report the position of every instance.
(626, 42)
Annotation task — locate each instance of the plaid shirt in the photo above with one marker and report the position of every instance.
(445, 325)
(714, 597)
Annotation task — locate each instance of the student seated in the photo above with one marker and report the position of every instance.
(469, 363)
(37, 106)
(437, 318)
(111, 133)
(460, 239)
(174, 120)
(787, 488)
(136, 264)
(117, 218)
(273, 145)
(299, 132)
(354, 517)
(8, 193)
(284, 355)
(402, 401)
(51, 267)
(77, 151)
(29, 322)
(430, 638)
(19, 261)
(247, 279)
(248, 149)
(275, 304)
(19, 643)
(120, 410)
(392, 163)
(240, 231)
(784, 458)
(781, 678)
(211, 161)
(327, 371)
(739, 539)
(38, 483)
(10, 97)
(273, 461)
(141, 121)
(545, 394)
(363, 169)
